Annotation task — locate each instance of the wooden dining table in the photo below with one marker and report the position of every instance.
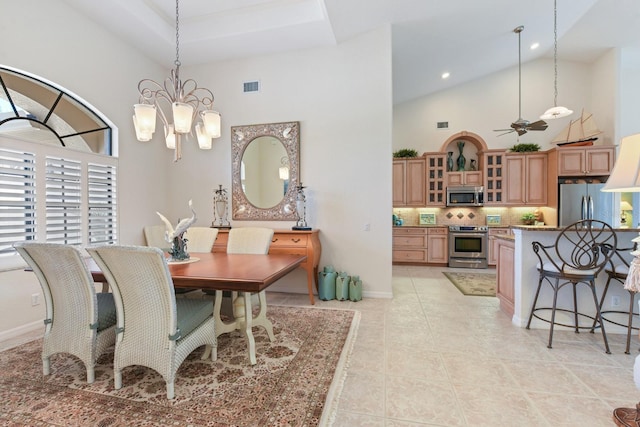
(244, 274)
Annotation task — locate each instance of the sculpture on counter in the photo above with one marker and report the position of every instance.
(473, 166)
(461, 160)
(175, 236)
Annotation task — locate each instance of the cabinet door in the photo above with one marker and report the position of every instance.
(455, 178)
(436, 172)
(437, 249)
(473, 178)
(571, 162)
(536, 179)
(516, 176)
(415, 182)
(599, 161)
(492, 256)
(505, 277)
(399, 167)
(492, 165)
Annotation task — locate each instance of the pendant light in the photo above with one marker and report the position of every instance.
(555, 112)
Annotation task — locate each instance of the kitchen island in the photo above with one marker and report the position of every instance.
(525, 278)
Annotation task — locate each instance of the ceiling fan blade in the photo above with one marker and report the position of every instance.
(521, 131)
(503, 130)
(539, 125)
(507, 131)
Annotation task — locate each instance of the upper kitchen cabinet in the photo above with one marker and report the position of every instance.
(586, 161)
(409, 179)
(464, 178)
(493, 164)
(436, 175)
(526, 178)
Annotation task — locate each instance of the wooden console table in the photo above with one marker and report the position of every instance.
(289, 242)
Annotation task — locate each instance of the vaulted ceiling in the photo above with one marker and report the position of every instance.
(467, 38)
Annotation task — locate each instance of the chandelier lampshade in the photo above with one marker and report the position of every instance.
(178, 104)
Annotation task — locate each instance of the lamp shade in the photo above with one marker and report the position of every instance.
(170, 138)
(204, 140)
(140, 134)
(625, 206)
(182, 117)
(556, 113)
(211, 120)
(625, 176)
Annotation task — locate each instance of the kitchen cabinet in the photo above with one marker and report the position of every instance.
(436, 173)
(437, 245)
(409, 182)
(492, 255)
(586, 161)
(464, 178)
(526, 179)
(420, 245)
(409, 245)
(505, 275)
(494, 186)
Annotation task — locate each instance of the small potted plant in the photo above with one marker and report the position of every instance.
(405, 152)
(528, 218)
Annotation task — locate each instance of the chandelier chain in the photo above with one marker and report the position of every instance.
(177, 62)
(555, 54)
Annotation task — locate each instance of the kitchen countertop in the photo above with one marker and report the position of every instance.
(556, 228)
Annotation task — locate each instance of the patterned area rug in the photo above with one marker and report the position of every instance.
(296, 382)
(477, 284)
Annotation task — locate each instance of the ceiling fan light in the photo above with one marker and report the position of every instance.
(556, 113)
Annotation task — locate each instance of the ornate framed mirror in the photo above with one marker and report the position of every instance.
(265, 164)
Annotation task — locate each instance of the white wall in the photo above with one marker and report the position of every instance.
(492, 103)
(344, 110)
(49, 39)
(345, 114)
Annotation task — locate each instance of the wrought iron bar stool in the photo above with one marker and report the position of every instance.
(578, 254)
(617, 270)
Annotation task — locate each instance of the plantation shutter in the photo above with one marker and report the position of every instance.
(63, 201)
(102, 203)
(17, 198)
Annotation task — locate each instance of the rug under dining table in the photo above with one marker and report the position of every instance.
(296, 382)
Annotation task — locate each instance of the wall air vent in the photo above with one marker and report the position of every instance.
(251, 87)
(442, 125)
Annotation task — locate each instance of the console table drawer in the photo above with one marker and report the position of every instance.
(289, 240)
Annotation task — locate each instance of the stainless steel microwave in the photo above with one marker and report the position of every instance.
(465, 196)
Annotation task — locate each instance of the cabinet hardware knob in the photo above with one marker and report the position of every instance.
(274, 240)
(295, 240)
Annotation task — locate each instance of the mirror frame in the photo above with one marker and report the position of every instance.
(288, 133)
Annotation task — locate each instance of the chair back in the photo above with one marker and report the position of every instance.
(154, 236)
(585, 245)
(143, 292)
(200, 239)
(67, 286)
(249, 240)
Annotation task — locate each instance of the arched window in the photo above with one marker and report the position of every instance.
(58, 172)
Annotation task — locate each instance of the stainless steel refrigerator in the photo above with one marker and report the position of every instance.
(581, 198)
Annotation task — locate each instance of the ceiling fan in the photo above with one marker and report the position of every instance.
(521, 126)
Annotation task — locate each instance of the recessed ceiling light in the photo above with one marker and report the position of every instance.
(535, 46)
(445, 75)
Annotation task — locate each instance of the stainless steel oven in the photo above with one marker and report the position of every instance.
(468, 246)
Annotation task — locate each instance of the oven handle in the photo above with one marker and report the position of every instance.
(458, 234)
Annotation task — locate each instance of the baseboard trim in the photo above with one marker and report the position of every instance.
(21, 330)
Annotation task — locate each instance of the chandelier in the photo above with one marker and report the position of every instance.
(178, 104)
(555, 112)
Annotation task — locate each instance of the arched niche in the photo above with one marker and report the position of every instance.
(474, 144)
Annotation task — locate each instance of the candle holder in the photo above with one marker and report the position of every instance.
(220, 204)
(301, 209)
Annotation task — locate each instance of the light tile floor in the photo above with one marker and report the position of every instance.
(434, 357)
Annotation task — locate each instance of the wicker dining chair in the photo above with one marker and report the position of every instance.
(579, 253)
(154, 329)
(200, 239)
(78, 320)
(154, 235)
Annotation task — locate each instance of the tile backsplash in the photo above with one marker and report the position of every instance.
(474, 216)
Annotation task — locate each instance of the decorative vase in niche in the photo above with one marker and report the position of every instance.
(450, 161)
(473, 166)
(461, 160)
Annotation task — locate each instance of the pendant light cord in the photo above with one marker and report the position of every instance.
(177, 61)
(555, 54)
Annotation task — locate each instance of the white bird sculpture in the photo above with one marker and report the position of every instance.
(182, 226)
